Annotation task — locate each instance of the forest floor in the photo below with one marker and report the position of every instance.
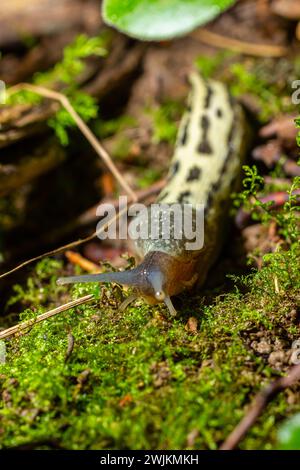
(94, 377)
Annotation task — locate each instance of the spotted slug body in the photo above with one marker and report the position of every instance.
(205, 169)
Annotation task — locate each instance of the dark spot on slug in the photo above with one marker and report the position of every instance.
(204, 147)
(219, 112)
(209, 94)
(189, 103)
(184, 134)
(183, 197)
(204, 123)
(194, 174)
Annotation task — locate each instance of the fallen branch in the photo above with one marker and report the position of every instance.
(218, 40)
(57, 96)
(258, 405)
(44, 316)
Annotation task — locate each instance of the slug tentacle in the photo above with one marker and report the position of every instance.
(125, 277)
(170, 306)
(127, 301)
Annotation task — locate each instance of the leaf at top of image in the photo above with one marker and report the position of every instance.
(160, 19)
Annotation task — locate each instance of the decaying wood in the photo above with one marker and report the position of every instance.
(22, 170)
(21, 19)
(119, 66)
(22, 121)
(39, 57)
(18, 122)
(71, 342)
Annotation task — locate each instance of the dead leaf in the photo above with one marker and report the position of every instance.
(125, 400)
(192, 325)
(268, 153)
(284, 128)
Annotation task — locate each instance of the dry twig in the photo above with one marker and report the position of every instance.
(225, 42)
(79, 260)
(71, 342)
(44, 316)
(55, 95)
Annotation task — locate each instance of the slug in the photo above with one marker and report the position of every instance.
(205, 169)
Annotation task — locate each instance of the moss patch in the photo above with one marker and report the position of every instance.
(139, 379)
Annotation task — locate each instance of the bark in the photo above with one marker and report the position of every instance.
(21, 19)
(22, 170)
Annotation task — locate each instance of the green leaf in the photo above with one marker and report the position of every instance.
(160, 19)
(289, 434)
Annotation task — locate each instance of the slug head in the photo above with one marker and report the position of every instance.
(157, 278)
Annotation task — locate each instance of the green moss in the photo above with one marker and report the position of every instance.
(139, 379)
(149, 176)
(142, 380)
(121, 147)
(108, 128)
(165, 121)
(210, 64)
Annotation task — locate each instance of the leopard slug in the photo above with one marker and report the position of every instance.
(205, 169)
